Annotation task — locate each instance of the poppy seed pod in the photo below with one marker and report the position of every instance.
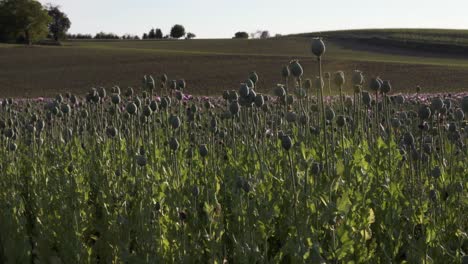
(116, 99)
(9, 133)
(129, 92)
(375, 84)
(259, 100)
(244, 90)
(386, 87)
(395, 123)
(173, 144)
(111, 132)
(339, 78)
(296, 68)
(131, 108)
(65, 108)
(437, 104)
(253, 76)
(408, 139)
(173, 84)
(279, 90)
(147, 110)
(329, 113)
(318, 47)
(154, 106)
(141, 160)
(341, 121)
(399, 99)
(234, 108)
(459, 115)
(115, 90)
(464, 104)
(289, 100)
(285, 72)
(179, 95)
(366, 98)
(358, 77)
(181, 84)
(424, 112)
(291, 117)
(102, 92)
(174, 121)
(286, 142)
(316, 168)
(203, 150)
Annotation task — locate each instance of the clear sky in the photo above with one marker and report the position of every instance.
(222, 18)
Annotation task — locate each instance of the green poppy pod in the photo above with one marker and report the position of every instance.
(234, 108)
(395, 122)
(59, 98)
(386, 87)
(291, 117)
(285, 72)
(174, 121)
(111, 132)
(129, 92)
(65, 108)
(341, 121)
(316, 168)
(279, 90)
(327, 75)
(253, 76)
(141, 160)
(424, 112)
(366, 98)
(358, 77)
(244, 90)
(115, 99)
(40, 124)
(286, 142)
(408, 139)
(464, 104)
(173, 144)
(289, 100)
(318, 47)
(179, 95)
(181, 85)
(296, 69)
(154, 106)
(375, 84)
(259, 100)
(418, 89)
(147, 110)
(399, 99)
(339, 78)
(12, 146)
(9, 133)
(131, 108)
(203, 150)
(329, 113)
(459, 115)
(102, 92)
(115, 90)
(225, 95)
(301, 93)
(437, 104)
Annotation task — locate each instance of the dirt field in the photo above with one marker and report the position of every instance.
(210, 66)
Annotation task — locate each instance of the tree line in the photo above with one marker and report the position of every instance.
(28, 21)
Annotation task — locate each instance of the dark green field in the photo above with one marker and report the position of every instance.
(433, 59)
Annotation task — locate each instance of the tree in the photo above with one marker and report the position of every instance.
(265, 34)
(23, 19)
(241, 35)
(60, 23)
(177, 31)
(145, 36)
(190, 35)
(159, 34)
(151, 34)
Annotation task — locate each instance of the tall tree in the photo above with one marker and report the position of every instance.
(25, 19)
(177, 31)
(151, 34)
(159, 34)
(60, 23)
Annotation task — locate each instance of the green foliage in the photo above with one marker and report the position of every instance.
(23, 19)
(177, 31)
(60, 23)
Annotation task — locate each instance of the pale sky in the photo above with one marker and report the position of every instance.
(222, 18)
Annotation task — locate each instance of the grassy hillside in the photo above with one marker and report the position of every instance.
(210, 66)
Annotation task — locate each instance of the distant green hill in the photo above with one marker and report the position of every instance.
(435, 40)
